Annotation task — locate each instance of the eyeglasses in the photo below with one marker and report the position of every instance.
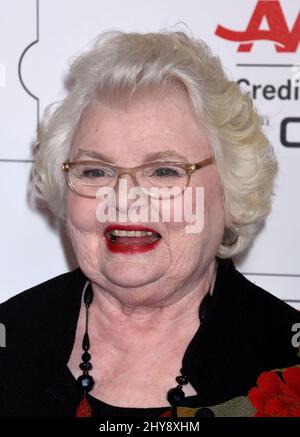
(86, 177)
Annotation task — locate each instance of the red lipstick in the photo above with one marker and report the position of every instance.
(119, 242)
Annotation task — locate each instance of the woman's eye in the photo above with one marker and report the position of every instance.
(166, 172)
(93, 173)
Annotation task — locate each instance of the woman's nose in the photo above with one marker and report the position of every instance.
(125, 183)
(130, 198)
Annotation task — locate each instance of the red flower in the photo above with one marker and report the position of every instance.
(277, 396)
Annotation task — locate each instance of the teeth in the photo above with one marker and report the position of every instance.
(122, 233)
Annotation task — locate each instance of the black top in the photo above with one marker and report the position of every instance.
(246, 331)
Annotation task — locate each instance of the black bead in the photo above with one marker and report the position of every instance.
(86, 342)
(182, 379)
(85, 382)
(204, 412)
(86, 357)
(88, 295)
(85, 366)
(175, 396)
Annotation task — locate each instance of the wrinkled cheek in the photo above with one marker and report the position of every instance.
(81, 213)
(214, 215)
(82, 228)
(195, 210)
(206, 209)
(188, 210)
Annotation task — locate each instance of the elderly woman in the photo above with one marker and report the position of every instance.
(156, 320)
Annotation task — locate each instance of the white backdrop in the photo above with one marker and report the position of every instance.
(37, 38)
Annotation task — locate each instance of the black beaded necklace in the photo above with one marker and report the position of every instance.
(86, 382)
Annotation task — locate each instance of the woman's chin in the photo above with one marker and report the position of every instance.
(130, 275)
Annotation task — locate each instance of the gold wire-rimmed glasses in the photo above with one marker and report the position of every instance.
(85, 178)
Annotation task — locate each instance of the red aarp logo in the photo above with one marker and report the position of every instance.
(271, 11)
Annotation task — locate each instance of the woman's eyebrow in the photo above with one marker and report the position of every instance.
(165, 154)
(93, 154)
(149, 157)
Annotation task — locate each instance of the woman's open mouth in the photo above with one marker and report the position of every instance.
(130, 238)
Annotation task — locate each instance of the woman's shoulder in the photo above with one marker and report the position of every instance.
(39, 328)
(246, 331)
(41, 303)
(261, 324)
(255, 301)
(264, 304)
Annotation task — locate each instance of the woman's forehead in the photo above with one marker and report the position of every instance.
(146, 126)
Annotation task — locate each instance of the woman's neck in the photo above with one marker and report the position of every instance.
(112, 319)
